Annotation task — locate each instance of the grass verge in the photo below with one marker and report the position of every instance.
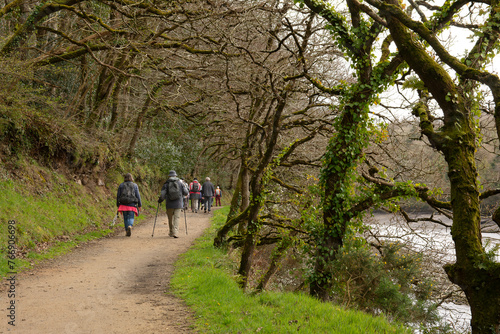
(203, 278)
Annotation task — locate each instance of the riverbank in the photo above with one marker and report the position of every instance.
(432, 238)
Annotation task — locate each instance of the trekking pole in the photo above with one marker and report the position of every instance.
(185, 221)
(155, 220)
(114, 219)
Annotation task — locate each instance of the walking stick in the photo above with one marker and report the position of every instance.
(155, 220)
(185, 221)
(114, 219)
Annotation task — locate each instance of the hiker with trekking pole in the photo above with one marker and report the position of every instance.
(173, 192)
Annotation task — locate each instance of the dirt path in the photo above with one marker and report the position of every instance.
(113, 285)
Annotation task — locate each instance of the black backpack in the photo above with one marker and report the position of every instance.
(127, 196)
(196, 187)
(174, 190)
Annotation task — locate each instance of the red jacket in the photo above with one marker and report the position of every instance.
(191, 188)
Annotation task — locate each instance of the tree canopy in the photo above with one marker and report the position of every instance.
(287, 103)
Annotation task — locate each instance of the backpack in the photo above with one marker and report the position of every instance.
(127, 196)
(174, 191)
(196, 187)
(217, 192)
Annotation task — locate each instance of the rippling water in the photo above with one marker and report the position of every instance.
(433, 240)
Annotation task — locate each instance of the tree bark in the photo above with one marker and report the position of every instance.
(345, 150)
(245, 194)
(220, 239)
(343, 154)
(257, 186)
(249, 245)
(235, 199)
(473, 271)
(278, 254)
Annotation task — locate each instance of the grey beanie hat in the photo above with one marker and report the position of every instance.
(172, 173)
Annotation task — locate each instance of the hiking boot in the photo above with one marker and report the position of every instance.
(129, 231)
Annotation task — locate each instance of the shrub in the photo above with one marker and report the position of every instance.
(390, 282)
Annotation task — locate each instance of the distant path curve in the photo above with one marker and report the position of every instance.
(112, 285)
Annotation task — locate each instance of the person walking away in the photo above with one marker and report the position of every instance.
(185, 198)
(173, 192)
(218, 195)
(208, 191)
(128, 201)
(195, 194)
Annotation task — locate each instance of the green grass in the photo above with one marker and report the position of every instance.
(204, 279)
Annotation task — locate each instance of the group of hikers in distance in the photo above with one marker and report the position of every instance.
(175, 192)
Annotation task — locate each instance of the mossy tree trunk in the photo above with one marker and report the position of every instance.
(345, 150)
(235, 199)
(342, 156)
(257, 187)
(278, 253)
(117, 92)
(476, 273)
(245, 193)
(245, 184)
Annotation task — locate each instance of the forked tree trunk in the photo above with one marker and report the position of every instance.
(257, 187)
(473, 271)
(220, 238)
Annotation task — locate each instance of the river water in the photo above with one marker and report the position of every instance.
(433, 240)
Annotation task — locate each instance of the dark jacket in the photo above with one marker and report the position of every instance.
(207, 189)
(177, 204)
(138, 203)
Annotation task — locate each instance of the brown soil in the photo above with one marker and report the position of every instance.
(113, 285)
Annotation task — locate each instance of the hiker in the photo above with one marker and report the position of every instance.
(218, 195)
(128, 201)
(195, 194)
(207, 191)
(185, 198)
(173, 191)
